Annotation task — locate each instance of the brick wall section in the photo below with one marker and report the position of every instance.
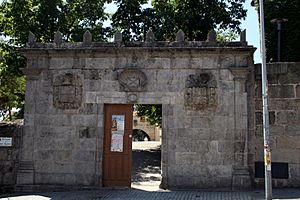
(9, 156)
(284, 112)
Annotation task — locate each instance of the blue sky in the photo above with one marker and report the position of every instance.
(252, 29)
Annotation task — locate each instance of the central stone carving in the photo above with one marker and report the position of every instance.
(132, 80)
(67, 91)
(200, 92)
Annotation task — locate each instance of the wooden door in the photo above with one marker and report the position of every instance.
(117, 145)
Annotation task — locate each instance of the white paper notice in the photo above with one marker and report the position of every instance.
(5, 141)
(117, 133)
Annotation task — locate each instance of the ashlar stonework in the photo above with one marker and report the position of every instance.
(201, 92)
(204, 87)
(67, 91)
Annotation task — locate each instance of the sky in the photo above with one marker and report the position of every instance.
(250, 24)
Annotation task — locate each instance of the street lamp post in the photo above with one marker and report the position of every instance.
(279, 22)
(266, 128)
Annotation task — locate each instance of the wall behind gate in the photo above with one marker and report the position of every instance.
(9, 155)
(284, 112)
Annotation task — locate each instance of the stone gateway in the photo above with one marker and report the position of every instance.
(206, 89)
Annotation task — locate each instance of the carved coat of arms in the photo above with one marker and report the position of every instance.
(132, 80)
(200, 91)
(67, 91)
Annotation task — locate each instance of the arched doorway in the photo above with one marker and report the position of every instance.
(140, 135)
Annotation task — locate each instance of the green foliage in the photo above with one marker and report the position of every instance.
(12, 81)
(134, 21)
(153, 113)
(166, 17)
(226, 36)
(44, 17)
(287, 9)
(196, 17)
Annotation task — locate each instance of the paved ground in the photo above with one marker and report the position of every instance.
(146, 165)
(126, 194)
(145, 182)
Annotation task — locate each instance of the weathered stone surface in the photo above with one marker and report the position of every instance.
(180, 36)
(204, 107)
(58, 38)
(67, 91)
(298, 91)
(259, 117)
(9, 155)
(283, 91)
(200, 92)
(87, 38)
(150, 36)
(118, 37)
(132, 80)
(31, 39)
(211, 36)
(243, 36)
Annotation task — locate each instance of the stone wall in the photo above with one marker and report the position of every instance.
(9, 155)
(202, 87)
(284, 112)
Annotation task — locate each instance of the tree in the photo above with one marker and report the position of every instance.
(226, 36)
(134, 21)
(153, 113)
(282, 9)
(43, 18)
(196, 17)
(166, 17)
(12, 81)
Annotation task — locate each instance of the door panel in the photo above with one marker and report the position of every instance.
(117, 145)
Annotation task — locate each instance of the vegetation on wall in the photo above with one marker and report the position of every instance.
(282, 9)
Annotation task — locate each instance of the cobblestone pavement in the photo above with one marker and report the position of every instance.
(126, 194)
(145, 185)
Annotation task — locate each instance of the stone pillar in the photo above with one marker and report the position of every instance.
(241, 176)
(166, 151)
(25, 174)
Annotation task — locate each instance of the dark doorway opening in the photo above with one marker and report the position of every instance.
(140, 135)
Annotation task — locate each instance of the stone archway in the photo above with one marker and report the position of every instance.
(140, 135)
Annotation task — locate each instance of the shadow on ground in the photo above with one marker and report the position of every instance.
(146, 165)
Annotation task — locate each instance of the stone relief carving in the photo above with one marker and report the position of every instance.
(132, 80)
(200, 91)
(132, 97)
(67, 91)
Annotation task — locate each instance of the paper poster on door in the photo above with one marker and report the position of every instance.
(117, 133)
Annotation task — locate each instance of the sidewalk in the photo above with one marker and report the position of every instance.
(133, 193)
(145, 181)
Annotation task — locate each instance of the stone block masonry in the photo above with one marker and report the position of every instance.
(284, 102)
(204, 88)
(10, 145)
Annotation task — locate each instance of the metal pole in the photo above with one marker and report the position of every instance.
(267, 148)
(279, 41)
